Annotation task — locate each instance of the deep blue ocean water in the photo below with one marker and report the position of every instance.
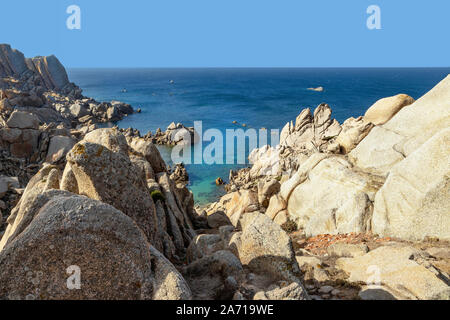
(266, 98)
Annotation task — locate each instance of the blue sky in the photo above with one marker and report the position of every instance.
(231, 33)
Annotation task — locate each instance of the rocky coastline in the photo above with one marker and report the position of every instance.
(306, 221)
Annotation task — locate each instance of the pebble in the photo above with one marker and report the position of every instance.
(231, 283)
(310, 286)
(335, 292)
(316, 297)
(238, 296)
(326, 289)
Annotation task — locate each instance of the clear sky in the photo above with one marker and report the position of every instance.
(231, 33)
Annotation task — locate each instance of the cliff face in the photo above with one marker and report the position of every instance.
(52, 72)
(12, 62)
(46, 72)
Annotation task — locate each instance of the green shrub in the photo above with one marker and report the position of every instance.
(157, 195)
(289, 226)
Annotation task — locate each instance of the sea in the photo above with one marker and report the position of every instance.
(243, 98)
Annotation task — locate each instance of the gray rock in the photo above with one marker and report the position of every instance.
(169, 284)
(30, 202)
(221, 262)
(400, 269)
(7, 183)
(78, 110)
(110, 177)
(58, 148)
(415, 207)
(266, 190)
(326, 289)
(23, 120)
(149, 151)
(347, 250)
(67, 236)
(218, 219)
(203, 245)
(376, 293)
(266, 248)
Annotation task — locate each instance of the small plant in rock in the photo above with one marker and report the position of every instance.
(289, 226)
(157, 195)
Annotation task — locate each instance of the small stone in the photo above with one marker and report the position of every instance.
(321, 275)
(310, 287)
(238, 296)
(335, 292)
(251, 277)
(326, 289)
(231, 283)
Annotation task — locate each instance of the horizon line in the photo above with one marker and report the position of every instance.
(328, 67)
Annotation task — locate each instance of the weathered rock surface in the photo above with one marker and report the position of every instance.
(70, 231)
(266, 248)
(149, 151)
(412, 126)
(169, 284)
(384, 109)
(176, 134)
(58, 148)
(293, 291)
(266, 190)
(30, 202)
(334, 199)
(235, 205)
(23, 120)
(104, 172)
(347, 250)
(353, 132)
(399, 268)
(414, 201)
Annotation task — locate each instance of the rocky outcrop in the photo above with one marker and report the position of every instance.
(63, 241)
(334, 199)
(41, 73)
(384, 109)
(176, 134)
(414, 201)
(309, 134)
(104, 168)
(22, 120)
(331, 175)
(353, 132)
(12, 62)
(265, 247)
(412, 126)
(254, 261)
(235, 205)
(401, 272)
(31, 201)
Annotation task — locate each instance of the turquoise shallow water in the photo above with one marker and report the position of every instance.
(257, 97)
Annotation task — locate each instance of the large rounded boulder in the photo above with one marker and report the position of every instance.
(79, 248)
